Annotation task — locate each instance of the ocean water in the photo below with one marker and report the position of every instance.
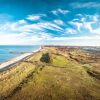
(8, 52)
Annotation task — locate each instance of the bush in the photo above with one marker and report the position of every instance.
(45, 58)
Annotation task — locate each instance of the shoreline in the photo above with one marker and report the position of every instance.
(17, 59)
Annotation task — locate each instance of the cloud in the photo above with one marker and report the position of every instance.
(35, 17)
(70, 31)
(95, 20)
(32, 17)
(87, 22)
(76, 38)
(22, 21)
(75, 41)
(50, 25)
(46, 32)
(86, 5)
(60, 11)
(59, 22)
(18, 39)
(22, 32)
(77, 24)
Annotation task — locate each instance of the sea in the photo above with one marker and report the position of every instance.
(8, 52)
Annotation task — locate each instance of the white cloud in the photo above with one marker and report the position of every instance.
(57, 11)
(94, 20)
(75, 41)
(80, 15)
(77, 24)
(50, 25)
(86, 5)
(70, 31)
(20, 39)
(22, 21)
(87, 22)
(59, 22)
(76, 38)
(32, 17)
(63, 11)
(35, 17)
(22, 32)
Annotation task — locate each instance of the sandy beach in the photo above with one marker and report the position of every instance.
(16, 59)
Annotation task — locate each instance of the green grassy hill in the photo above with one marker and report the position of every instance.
(65, 77)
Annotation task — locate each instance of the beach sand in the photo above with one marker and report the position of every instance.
(15, 60)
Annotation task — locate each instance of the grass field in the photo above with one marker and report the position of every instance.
(67, 77)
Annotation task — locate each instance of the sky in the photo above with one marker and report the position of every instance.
(50, 22)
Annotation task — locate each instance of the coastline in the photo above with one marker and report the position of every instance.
(15, 60)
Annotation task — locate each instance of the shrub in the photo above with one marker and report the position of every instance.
(45, 58)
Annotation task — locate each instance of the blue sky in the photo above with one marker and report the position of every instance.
(55, 22)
